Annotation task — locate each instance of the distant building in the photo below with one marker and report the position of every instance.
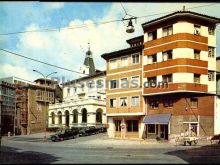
(7, 97)
(83, 99)
(31, 103)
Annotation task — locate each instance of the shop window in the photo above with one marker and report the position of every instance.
(151, 128)
(132, 125)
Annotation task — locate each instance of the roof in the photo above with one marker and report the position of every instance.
(179, 14)
(157, 118)
(135, 39)
(86, 77)
(121, 52)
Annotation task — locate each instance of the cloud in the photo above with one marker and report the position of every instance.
(62, 47)
(53, 5)
(8, 70)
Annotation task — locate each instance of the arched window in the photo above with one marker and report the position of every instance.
(99, 116)
(75, 116)
(59, 114)
(67, 117)
(53, 117)
(84, 115)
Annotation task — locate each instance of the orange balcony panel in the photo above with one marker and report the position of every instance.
(175, 87)
(174, 37)
(173, 62)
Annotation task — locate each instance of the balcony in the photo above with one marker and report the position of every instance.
(78, 103)
(176, 87)
(173, 62)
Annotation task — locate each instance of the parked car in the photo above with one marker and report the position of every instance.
(64, 135)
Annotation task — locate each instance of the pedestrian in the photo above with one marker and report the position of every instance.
(186, 133)
(193, 133)
(123, 130)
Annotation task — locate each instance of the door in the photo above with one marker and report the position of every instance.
(164, 131)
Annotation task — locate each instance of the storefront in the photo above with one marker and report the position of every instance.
(157, 126)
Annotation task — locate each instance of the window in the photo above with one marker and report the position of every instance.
(151, 128)
(113, 64)
(211, 76)
(152, 81)
(113, 103)
(197, 54)
(152, 35)
(135, 81)
(211, 30)
(167, 31)
(68, 91)
(194, 102)
(197, 78)
(123, 101)
(124, 61)
(152, 59)
(135, 101)
(168, 103)
(132, 125)
(135, 58)
(211, 52)
(167, 78)
(113, 84)
(197, 29)
(154, 104)
(168, 55)
(124, 83)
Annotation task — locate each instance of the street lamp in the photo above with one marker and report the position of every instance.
(45, 98)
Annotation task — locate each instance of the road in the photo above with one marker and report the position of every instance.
(99, 149)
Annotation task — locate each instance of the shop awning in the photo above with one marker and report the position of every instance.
(157, 118)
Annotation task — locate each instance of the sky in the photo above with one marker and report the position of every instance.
(66, 48)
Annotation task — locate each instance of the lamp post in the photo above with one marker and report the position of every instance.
(45, 98)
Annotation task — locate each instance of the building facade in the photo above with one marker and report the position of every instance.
(7, 96)
(178, 77)
(83, 101)
(124, 101)
(32, 101)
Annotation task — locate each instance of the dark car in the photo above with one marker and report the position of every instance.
(64, 135)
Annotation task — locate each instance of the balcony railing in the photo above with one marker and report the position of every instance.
(78, 103)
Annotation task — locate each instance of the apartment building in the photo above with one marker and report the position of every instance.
(7, 97)
(180, 49)
(83, 102)
(124, 101)
(32, 102)
(178, 79)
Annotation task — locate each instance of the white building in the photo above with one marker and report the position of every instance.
(83, 99)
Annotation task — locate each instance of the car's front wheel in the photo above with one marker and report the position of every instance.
(53, 138)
